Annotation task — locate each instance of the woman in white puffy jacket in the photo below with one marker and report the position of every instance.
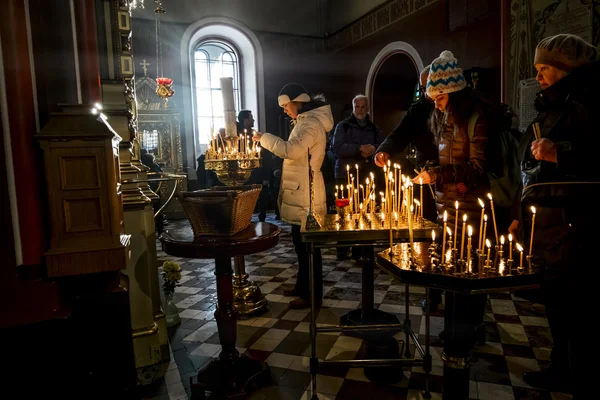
(312, 120)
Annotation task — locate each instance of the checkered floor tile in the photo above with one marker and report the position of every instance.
(518, 337)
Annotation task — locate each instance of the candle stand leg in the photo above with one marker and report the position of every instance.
(231, 374)
(247, 297)
(458, 344)
(379, 344)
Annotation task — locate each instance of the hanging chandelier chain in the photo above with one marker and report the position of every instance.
(159, 64)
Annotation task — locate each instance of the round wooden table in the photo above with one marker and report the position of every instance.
(231, 373)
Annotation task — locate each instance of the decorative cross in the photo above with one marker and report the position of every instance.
(145, 66)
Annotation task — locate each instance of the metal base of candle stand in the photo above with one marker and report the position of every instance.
(247, 297)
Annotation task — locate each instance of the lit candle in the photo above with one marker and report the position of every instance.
(489, 246)
(481, 249)
(449, 255)
(532, 227)
(421, 187)
(244, 147)
(455, 224)
(510, 246)
(481, 224)
(410, 230)
(357, 181)
(337, 188)
(489, 195)
(470, 230)
(502, 243)
(462, 239)
(348, 173)
(444, 236)
(432, 236)
(521, 250)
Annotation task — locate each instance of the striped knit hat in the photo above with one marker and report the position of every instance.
(445, 76)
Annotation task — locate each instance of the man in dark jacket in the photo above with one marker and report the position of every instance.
(560, 179)
(355, 140)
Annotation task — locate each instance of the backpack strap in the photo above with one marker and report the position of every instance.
(471, 127)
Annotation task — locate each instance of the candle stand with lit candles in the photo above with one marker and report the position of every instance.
(232, 157)
(420, 265)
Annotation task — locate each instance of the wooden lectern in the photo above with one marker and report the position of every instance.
(81, 160)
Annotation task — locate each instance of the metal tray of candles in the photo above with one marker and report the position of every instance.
(454, 276)
(369, 227)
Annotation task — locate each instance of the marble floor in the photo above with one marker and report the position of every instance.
(518, 337)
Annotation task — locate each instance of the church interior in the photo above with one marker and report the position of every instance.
(110, 110)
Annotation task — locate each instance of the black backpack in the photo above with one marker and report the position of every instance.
(505, 173)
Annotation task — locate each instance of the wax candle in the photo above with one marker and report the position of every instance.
(489, 246)
(421, 198)
(357, 181)
(510, 246)
(444, 236)
(489, 195)
(470, 233)
(521, 250)
(455, 224)
(449, 255)
(502, 243)
(462, 240)
(348, 173)
(481, 223)
(532, 227)
(481, 249)
(410, 230)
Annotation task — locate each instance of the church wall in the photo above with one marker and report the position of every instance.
(474, 45)
(343, 12)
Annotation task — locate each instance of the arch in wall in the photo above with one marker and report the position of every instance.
(385, 53)
(252, 79)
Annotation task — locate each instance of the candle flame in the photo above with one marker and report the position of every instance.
(356, 166)
(485, 217)
(510, 237)
(464, 217)
(489, 195)
(470, 230)
(487, 243)
(420, 181)
(433, 235)
(502, 239)
(519, 247)
(533, 209)
(445, 216)
(456, 204)
(449, 230)
(372, 176)
(417, 202)
(347, 167)
(481, 203)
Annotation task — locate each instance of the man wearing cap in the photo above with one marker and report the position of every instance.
(560, 179)
(312, 119)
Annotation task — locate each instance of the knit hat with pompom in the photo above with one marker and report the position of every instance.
(445, 76)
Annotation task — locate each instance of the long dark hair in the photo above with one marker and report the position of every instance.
(461, 106)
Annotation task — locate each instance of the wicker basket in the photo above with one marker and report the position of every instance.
(221, 210)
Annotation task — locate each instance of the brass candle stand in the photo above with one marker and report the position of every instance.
(233, 162)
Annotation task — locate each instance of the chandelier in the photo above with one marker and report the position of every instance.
(164, 85)
(133, 4)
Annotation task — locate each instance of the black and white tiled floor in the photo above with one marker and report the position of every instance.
(518, 337)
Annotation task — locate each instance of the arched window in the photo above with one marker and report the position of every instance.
(213, 60)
